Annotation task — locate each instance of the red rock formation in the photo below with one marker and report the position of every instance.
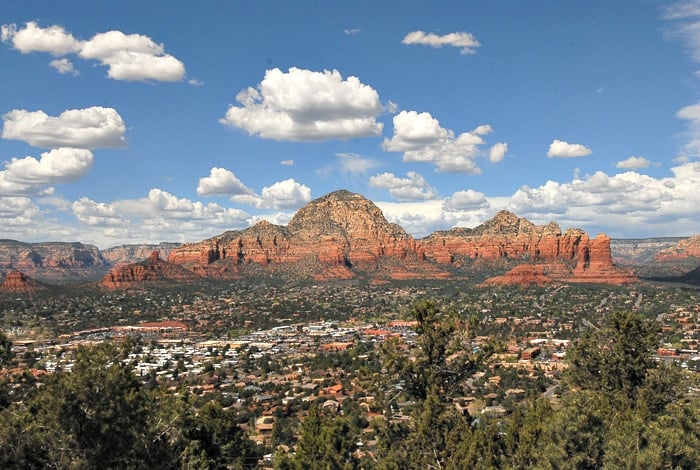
(153, 269)
(334, 236)
(686, 248)
(342, 234)
(522, 275)
(507, 237)
(16, 281)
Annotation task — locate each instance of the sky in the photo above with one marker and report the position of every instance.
(148, 121)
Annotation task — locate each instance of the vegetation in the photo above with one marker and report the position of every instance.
(616, 406)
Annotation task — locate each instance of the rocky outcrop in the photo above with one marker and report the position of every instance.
(335, 236)
(570, 257)
(639, 251)
(522, 275)
(51, 260)
(134, 253)
(685, 248)
(151, 270)
(16, 282)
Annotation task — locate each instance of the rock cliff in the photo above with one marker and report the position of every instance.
(685, 248)
(134, 253)
(16, 281)
(335, 236)
(51, 261)
(570, 257)
(151, 270)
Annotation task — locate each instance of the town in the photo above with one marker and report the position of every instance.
(272, 352)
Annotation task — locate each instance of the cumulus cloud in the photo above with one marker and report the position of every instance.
(624, 205)
(18, 211)
(32, 38)
(498, 152)
(221, 182)
(60, 165)
(563, 149)
(421, 139)
(282, 195)
(414, 187)
(303, 105)
(466, 200)
(289, 162)
(64, 67)
(94, 213)
(132, 57)
(466, 42)
(633, 163)
(86, 128)
(159, 216)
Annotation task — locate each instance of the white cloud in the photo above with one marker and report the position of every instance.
(289, 162)
(132, 57)
(161, 216)
(414, 187)
(352, 31)
(60, 165)
(466, 42)
(221, 182)
(94, 213)
(633, 163)
(64, 66)
(692, 115)
(466, 200)
(354, 164)
(563, 149)
(282, 195)
(86, 128)
(421, 139)
(498, 152)
(627, 204)
(303, 105)
(18, 211)
(32, 38)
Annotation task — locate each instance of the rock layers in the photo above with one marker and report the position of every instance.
(151, 270)
(335, 236)
(342, 234)
(685, 248)
(16, 282)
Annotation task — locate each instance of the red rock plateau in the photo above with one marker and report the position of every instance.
(343, 234)
(551, 255)
(686, 248)
(51, 260)
(150, 270)
(16, 281)
(336, 236)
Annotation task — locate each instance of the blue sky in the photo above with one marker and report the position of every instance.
(148, 121)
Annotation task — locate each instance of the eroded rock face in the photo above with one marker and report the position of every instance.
(152, 269)
(136, 253)
(686, 248)
(51, 260)
(16, 281)
(342, 231)
(570, 257)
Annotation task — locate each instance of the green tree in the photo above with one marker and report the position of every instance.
(615, 359)
(5, 349)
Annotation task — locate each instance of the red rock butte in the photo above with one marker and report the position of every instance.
(342, 234)
(16, 281)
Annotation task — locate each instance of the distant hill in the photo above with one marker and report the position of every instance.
(341, 235)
